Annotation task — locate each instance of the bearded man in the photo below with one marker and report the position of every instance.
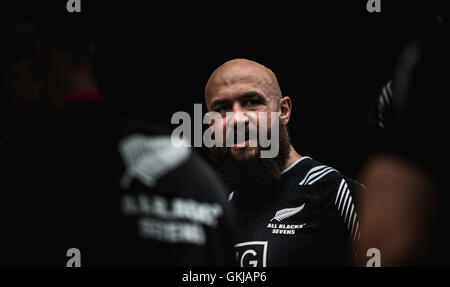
(291, 209)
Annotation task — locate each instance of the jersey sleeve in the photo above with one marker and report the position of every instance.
(346, 202)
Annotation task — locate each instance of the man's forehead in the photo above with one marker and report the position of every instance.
(241, 72)
(236, 82)
(236, 79)
(239, 76)
(235, 87)
(229, 86)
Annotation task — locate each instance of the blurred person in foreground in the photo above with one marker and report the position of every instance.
(404, 211)
(74, 175)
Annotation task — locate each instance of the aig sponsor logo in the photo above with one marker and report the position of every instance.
(252, 254)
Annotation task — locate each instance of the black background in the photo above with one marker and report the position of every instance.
(331, 69)
(152, 61)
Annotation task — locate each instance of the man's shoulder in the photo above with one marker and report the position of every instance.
(319, 175)
(316, 173)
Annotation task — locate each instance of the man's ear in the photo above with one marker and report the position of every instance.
(285, 110)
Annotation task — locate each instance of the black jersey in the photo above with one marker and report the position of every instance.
(116, 190)
(308, 219)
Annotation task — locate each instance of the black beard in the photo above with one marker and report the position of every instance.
(251, 175)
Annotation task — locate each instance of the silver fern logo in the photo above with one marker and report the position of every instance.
(287, 212)
(276, 227)
(148, 158)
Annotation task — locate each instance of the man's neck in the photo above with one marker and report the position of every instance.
(292, 157)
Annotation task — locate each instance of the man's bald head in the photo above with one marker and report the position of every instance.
(242, 71)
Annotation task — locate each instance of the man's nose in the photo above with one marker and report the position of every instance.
(239, 114)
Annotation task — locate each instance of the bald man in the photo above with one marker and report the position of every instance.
(292, 210)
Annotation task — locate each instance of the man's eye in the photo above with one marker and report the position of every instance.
(222, 109)
(252, 102)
